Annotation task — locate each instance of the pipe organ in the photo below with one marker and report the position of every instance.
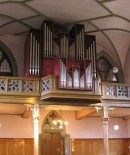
(71, 55)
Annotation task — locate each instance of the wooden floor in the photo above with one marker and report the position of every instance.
(10, 146)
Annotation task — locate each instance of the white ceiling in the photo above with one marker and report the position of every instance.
(109, 20)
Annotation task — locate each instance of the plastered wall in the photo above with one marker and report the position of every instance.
(14, 126)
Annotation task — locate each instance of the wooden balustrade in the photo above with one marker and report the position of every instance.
(48, 87)
(115, 91)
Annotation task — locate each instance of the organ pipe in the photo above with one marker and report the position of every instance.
(94, 59)
(48, 41)
(80, 45)
(30, 53)
(34, 54)
(38, 62)
(45, 40)
(83, 44)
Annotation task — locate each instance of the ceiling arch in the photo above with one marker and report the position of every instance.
(109, 20)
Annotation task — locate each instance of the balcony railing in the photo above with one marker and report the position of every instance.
(115, 91)
(46, 86)
(19, 86)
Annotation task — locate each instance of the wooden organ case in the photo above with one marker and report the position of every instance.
(71, 55)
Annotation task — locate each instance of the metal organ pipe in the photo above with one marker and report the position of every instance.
(36, 56)
(30, 53)
(73, 52)
(82, 44)
(45, 40)
(89, 53)
(61, 44)
(33, 55)
(94, 59)
(51, 43)
(77, 44)
(38, 61)
(64, 46)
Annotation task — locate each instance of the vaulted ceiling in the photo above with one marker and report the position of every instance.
(108, 20)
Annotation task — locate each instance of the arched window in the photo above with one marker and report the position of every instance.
(8, 65)
(5, 65)
(105, 70)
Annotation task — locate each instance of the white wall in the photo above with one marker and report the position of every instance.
(14, 126)
(128, 127)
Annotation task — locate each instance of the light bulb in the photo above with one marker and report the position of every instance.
(60, 126)
(66, 123)
(55, 122)
(116, 127)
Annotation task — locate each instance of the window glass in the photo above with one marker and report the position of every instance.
(5, 67)
(105, 71)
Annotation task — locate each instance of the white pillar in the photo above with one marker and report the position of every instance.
(36, 117)
(105, 119)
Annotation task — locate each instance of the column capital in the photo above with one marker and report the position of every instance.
(104, 110)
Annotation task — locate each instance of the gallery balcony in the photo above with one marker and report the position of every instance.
(47, 91)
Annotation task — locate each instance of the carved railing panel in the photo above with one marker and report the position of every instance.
(3, 85)
(19, 86)
(46, 85)
(14, 86)
(29, 86)
(115, 90)
(49, 84)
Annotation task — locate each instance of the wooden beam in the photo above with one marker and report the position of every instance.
(84, 113)
(27, 113)
(126, 117)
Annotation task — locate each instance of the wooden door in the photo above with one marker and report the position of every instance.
(53, 144)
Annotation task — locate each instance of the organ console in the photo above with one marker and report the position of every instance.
(71, 55)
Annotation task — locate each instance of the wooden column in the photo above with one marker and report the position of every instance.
(36, 116)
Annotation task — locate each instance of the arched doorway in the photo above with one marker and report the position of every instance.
(53, 139)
